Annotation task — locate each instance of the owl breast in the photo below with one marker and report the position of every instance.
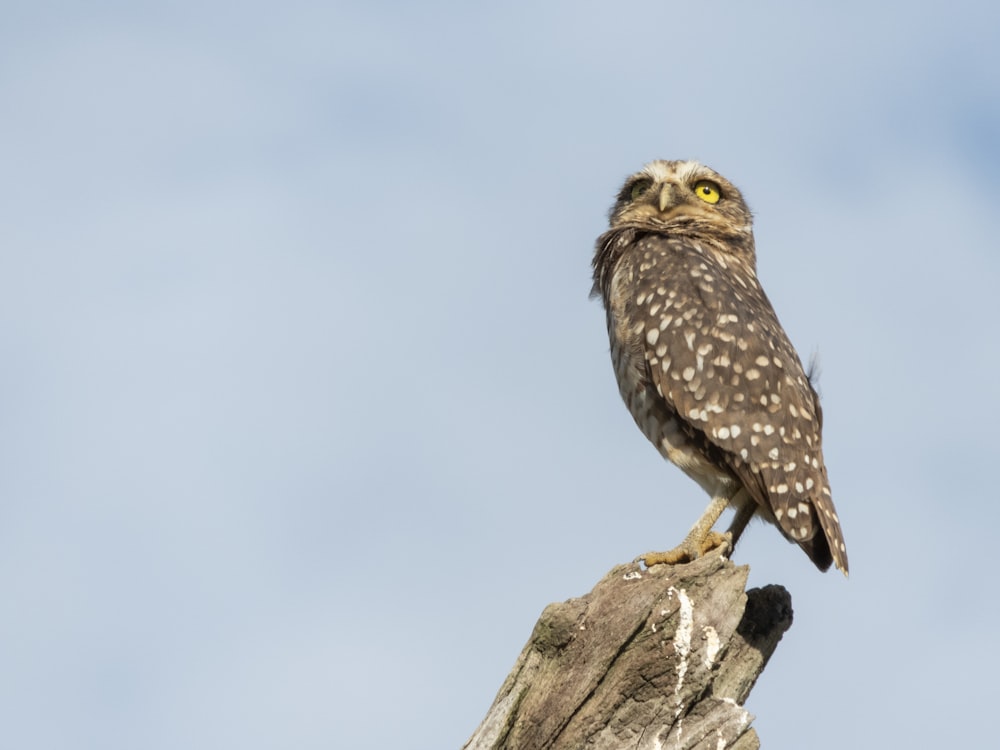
(654, 416)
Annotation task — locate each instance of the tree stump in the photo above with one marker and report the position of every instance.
(657, 658)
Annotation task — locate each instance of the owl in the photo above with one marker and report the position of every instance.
(704, 366)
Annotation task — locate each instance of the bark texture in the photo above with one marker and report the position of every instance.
(660, 658)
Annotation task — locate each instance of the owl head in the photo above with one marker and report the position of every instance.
(682, 197)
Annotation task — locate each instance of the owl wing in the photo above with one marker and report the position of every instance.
(718, 356)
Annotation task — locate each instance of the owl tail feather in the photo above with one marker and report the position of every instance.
(818, 550)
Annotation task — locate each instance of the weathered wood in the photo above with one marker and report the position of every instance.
(657, 658)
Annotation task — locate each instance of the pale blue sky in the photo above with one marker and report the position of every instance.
(306, 414)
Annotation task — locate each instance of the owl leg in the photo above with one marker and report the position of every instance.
(699, 541)
(745, 508)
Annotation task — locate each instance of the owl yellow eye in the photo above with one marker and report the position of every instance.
(639, 187)
(708, 191)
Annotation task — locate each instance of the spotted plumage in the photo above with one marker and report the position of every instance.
(703, 364)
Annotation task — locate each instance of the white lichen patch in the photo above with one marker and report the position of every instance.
(682, 638)
(712, 645)
(744, 715)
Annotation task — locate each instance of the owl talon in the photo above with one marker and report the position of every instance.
(690, 550)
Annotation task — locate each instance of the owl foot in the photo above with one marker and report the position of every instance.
(690, 550)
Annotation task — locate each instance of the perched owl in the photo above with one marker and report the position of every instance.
(703, 364)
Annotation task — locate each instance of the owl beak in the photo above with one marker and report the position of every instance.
(667, 197)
